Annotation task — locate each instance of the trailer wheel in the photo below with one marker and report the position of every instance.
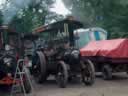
(88, 73)
(107, 72)
(39, 67)
(62, 75)
(127, 70)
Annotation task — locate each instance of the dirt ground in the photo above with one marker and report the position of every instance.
(116, 87)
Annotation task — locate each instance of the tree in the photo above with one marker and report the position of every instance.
(30, 17)
(108, 14)
(1, 18)
(36, 13)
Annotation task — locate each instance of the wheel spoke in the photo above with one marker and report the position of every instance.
(88, 74)
(62, 75)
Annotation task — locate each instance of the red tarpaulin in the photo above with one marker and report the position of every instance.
(116, 48)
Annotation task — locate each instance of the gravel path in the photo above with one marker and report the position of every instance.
(116, 87)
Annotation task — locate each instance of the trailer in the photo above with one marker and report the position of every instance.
(108, 56)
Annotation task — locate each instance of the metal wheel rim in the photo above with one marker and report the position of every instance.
(37, 70)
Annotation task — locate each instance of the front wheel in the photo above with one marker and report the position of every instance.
(27, 85)
(88, 73)
(62, 75)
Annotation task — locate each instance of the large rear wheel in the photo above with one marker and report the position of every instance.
(39, 67)
(62, 75)
(88, 73)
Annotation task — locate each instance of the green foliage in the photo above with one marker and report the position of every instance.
(1, 18)
(35, 14)
(30, 17)
(108, 14)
